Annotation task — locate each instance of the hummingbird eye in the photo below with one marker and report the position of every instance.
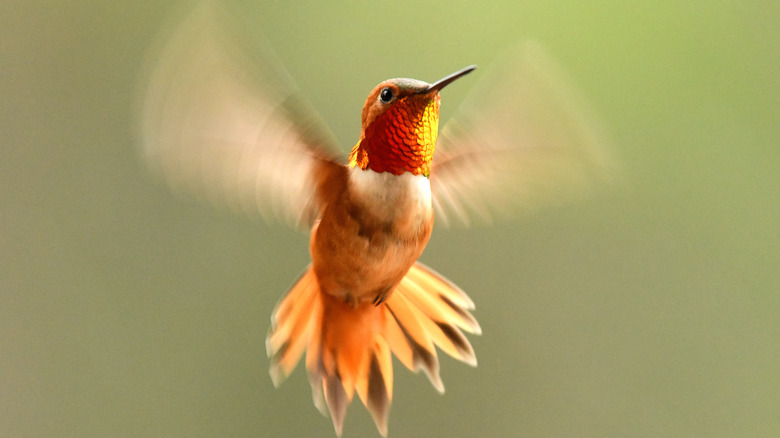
(386, 95)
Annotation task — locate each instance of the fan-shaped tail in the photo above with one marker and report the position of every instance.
(349, 347)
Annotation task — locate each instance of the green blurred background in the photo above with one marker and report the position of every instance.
(653, 311)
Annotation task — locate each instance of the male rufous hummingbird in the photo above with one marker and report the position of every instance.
(234, 130)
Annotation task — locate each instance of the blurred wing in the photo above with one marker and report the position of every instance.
(521, 139)
(231, 128)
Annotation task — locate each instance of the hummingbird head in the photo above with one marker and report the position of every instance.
(400, 126)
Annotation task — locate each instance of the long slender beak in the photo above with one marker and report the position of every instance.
(441, 83)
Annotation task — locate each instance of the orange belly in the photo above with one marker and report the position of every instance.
(359, 258)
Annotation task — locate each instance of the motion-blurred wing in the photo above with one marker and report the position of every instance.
(521, 139)
(229, 127)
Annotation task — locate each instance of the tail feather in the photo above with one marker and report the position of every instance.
(416, 338)
(349, 348)
(443, 335)
(295, 317)
(375, 388)
(433, 286)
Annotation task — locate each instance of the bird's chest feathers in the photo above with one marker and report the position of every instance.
(399, 203)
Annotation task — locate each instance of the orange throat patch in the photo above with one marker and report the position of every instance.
(402, 139)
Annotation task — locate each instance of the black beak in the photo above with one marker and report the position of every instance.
(441, 83)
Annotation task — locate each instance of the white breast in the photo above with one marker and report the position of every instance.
(392, 197)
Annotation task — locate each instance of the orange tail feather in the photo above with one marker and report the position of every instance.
(349, 347)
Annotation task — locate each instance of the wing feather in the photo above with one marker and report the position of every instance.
(221, 119)
(521, 139)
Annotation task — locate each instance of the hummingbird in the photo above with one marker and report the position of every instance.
(223, 121)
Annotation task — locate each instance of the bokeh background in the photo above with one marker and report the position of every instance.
(650, 311)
